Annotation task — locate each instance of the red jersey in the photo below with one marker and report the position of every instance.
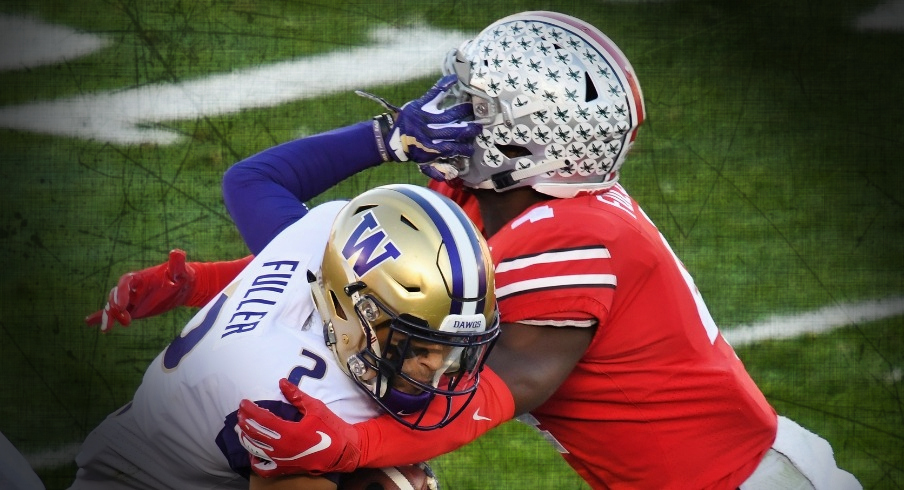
(659, 399)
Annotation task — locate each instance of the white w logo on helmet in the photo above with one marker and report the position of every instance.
(366, 247)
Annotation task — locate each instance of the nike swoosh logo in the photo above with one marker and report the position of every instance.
(478, 417)
(324, 443)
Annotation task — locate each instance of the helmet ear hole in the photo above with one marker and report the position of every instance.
(338, 307)
(408, 222)
(362, 208)
(589, 89)
(514, 151)
(413, 320)
(409, 288)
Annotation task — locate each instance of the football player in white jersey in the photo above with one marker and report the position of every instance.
(606, 345)
(383, 304)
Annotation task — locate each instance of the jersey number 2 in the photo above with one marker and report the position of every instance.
(184, 343)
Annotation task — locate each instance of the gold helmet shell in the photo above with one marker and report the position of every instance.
(403, 268)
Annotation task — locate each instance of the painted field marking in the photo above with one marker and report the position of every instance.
(397, 56)
(888, 16)
(27, 42)
(119, 116)
(817, 321)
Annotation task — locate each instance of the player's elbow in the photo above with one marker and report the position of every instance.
(235, 179)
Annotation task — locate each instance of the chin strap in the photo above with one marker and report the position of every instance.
(509, 178)
(503, 180)
(562, 190)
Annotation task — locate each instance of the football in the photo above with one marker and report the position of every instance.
(410, 477)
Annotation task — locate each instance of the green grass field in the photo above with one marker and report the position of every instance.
(771, 160)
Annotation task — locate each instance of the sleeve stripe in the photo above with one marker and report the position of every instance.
(463, 249)
(557, 282)
(560, 323)
(553, 256)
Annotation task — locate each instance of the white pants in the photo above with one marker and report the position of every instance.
(15, 472)
(799, 460)
(113, 457)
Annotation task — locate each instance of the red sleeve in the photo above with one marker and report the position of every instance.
(212, 277)
(553, 265)
(385, 442)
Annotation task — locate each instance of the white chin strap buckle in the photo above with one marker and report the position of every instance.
(504, 180)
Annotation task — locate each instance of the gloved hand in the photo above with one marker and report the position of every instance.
(145, 293)
(320, 442)
(421, 131)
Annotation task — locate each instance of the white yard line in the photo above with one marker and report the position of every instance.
(396, 56)
(888, 16)
(818, 321)
(118, 116)
(27, 42)
(54, 457)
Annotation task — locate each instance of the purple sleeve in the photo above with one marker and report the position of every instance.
(266, 192)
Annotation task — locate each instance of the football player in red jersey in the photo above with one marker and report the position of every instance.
(607, 347)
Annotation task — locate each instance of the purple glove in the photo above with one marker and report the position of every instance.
(422, 131)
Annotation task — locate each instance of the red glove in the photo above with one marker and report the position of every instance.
(147, 292)
(385, 442)
(320, 442)
(281, 447)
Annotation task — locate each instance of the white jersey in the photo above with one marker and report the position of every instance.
(179, 428)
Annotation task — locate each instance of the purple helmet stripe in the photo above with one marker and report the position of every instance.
(462, 245)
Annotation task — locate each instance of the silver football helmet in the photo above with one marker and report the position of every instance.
(407, 294)
(559, 103)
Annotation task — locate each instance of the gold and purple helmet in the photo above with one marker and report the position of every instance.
(559, 103)
(407, 293)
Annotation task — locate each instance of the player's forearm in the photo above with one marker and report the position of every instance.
(551, 352)
(266, 192)
(385, 442)
(212, 277)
